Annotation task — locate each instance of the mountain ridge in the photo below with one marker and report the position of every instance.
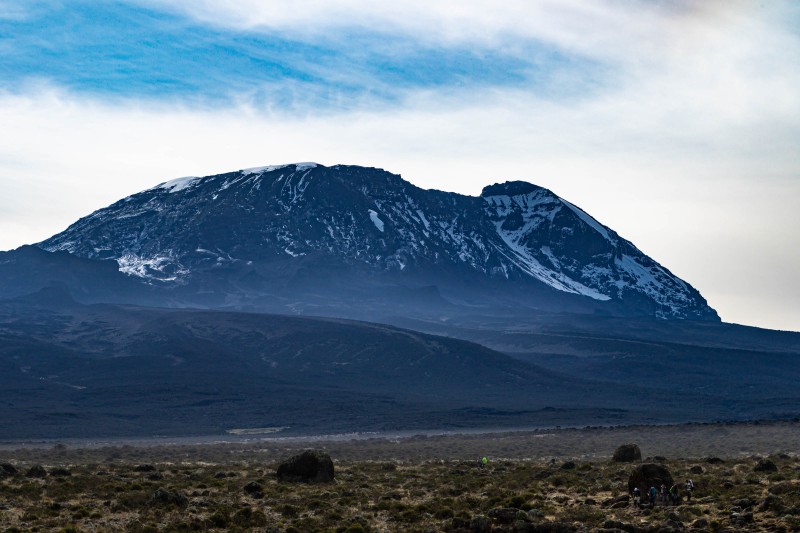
(254, 233)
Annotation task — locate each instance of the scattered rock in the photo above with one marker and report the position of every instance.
(480, 524)
(742, 518)
(772, 503)
(7, 469)
(523, 516)
(744, 503)
(714, 461)
(569, 465)
(309, 466)
(155, 476)
(144, 468)
(553, 527)
(60, 472)
(616, 503)
(166, 497)
(700, 523)
(504, 515)
(254, 489)
(696, 469)
(627, 453)
(765, 465)
(36, 471)
(649, 475)
(784, 488)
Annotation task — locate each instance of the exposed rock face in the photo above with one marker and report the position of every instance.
(649, 475)
(309, 466)
(627, 453)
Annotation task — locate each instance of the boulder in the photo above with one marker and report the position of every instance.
(504, 515)
(166, 497)
(254, 489)
(649, 475)
(765, 465)
(36, 471)
(7, 469)
(627, 453)
(569, 465)
(480, 524)
(309, 466)
(60, 472)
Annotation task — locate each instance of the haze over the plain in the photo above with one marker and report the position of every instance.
(674, 123)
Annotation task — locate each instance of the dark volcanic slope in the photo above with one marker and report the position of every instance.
(68, 369)
(341, 239)
(72, 370)
(756, 371)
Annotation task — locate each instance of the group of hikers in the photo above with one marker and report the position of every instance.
(664, 496)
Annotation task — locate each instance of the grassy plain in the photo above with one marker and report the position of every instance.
(545, 480)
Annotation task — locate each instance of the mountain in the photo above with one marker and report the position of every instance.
(362, 242)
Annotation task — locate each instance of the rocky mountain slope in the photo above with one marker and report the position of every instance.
(323, 240)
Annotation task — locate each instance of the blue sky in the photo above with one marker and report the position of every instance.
(123, 50)
(676, 123)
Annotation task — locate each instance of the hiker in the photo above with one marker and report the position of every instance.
(637, 497)
(676, 497)
(484, 461)
(689, 489)
(653, 493)
(664, 494)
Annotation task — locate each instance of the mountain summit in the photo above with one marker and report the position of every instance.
(312, 238)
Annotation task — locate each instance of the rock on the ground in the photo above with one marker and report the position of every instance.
(166, 497)
(7, 469)
(649, 475)
(627, 453)
(254, 489)
(504, 515)
(36, 471)
(309, 466)
(765, 465)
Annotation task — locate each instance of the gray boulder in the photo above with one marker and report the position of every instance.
(649, 475)
(310, 466)
(627, 453)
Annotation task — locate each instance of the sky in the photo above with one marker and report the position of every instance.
(674, 122)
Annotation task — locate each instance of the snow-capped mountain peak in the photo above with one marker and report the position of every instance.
(516, 242)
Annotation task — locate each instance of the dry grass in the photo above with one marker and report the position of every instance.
(417, 484)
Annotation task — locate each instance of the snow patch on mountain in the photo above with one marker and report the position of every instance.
(522, 257)
(591, 222)
(373, 215)
(161, 267)
(270, 168)
(178, 184)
